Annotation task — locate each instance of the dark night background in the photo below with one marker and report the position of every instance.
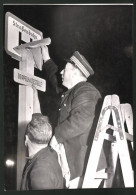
(103, 34)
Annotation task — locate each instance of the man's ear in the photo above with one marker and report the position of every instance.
(26, 139)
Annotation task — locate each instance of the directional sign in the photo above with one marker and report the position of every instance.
(18, 32)
(27, 79)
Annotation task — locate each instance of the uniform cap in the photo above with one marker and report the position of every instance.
(81, 62)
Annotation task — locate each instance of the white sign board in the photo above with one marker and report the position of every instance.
(27, 79)
(18, 32)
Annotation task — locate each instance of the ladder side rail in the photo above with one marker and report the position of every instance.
(128, 118)
(124, 152)
(89, 177)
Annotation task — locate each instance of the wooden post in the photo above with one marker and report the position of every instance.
(13, 37)
(25, 111)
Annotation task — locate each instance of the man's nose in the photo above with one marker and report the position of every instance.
(25, 143)
(62, 72)
(26, 140)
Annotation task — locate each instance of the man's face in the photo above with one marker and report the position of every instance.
(67, 75)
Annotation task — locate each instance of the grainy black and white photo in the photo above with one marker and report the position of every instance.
(68, 104)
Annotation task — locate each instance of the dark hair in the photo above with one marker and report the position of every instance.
(39, 129)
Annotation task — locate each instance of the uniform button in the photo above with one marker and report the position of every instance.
(59, 109)
(62, 96)
(64, 104)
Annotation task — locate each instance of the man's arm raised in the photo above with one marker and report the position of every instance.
(36, 103)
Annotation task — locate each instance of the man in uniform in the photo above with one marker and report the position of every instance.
(76, 113)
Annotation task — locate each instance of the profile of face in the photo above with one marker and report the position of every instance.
(27, 140)
(67, 74)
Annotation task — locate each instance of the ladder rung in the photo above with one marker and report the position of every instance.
(109, 137)
(101, 175)
(109, 127)
(129, 137)
(112, 127)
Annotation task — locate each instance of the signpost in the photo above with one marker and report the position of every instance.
(16, 32)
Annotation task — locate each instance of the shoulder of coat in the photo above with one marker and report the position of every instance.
(86, 86)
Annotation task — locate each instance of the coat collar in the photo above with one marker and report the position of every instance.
(31, 159)
(69, 90)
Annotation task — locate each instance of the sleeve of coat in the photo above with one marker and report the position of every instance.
(50, 69)
(81, 116)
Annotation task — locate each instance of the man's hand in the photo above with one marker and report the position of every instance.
(45, 53)
(54, 144)
(36, 103)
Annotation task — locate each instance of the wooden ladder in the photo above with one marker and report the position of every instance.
(121, 131)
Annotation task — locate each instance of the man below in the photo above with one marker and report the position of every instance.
(42, 170)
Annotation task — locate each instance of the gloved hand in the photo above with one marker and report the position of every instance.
(45, 53)
(54, 144)
(36, 103)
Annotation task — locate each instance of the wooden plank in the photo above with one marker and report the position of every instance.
(35, 50)
(25, 110)
(33, 44)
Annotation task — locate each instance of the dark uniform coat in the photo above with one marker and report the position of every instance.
(42, 171)
(77, 112)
